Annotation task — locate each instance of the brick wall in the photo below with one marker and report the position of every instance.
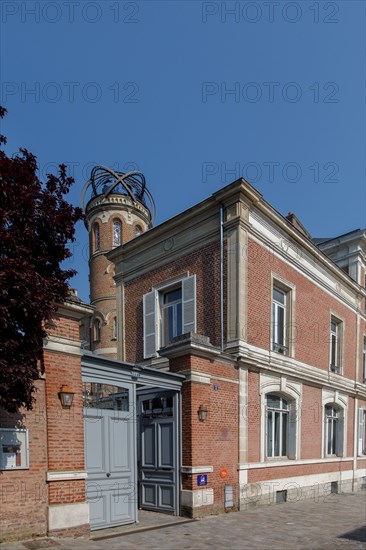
(313, 309)
(215, 441)
(56, 441)
(205, 264)
(23, 493)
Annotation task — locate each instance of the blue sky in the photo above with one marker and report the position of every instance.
(194, 94)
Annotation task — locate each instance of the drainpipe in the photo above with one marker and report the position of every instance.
(222, 277)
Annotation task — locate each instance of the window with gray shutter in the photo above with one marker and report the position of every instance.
(189, 304)
(361, 437)
(150, 318)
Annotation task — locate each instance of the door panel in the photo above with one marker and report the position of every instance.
(166, 442)
(109, 454)
(159, 452)
(94, 452)
(148, 446)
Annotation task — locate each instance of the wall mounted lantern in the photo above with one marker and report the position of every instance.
(202, 413)
(66, 396)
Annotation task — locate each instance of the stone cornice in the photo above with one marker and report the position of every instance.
(190, 344)
(74, 310)
(261, 360)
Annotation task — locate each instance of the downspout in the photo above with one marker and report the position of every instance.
(355, 408)
(222, 277)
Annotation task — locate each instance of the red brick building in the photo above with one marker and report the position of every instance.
(225, 367)
(270, 334)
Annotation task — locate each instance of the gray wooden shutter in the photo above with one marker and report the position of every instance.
(340, 436)
(361, 429)
(265, 412)
(150, 332)
(189, 304)
(292, 429)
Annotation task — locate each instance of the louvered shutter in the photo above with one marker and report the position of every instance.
(150, 332)
(266, 446)
(292, 429)
(361, 430)
(189, 304)
(340, 436)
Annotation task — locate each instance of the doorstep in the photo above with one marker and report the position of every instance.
(147, 522)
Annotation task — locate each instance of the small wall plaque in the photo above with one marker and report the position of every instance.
(201, 480)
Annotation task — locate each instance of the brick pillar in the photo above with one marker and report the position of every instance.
(211, 447)
(68, 511)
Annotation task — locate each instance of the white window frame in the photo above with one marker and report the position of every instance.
(155, 311)
(164, 308)
(283, 413)
(361, 432)
(337, 334)
(340, 402)
(292, 392)
(7, 437)
(332, 418)
(287, 348)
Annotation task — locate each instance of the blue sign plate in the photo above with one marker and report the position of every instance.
(201, 480)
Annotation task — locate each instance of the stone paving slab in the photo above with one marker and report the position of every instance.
(330, 523)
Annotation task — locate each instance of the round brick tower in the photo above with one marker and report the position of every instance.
(115, 213)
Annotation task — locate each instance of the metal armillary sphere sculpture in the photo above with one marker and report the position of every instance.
(105, 181)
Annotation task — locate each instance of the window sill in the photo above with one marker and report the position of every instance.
(278, 459)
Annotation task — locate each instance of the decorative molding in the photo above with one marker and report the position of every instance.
(196, 469)
(102, 351)
(195, 376)
(250, 356)
(290, 463)
(62, 345)
(66, 475)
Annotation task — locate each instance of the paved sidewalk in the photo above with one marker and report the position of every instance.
(334, 522)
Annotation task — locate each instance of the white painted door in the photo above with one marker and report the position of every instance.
(109, 433)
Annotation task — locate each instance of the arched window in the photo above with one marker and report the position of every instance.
(117, 233)
(138, 230)
(96, 232)
(97, 330)
(277, 426)
(333, 434)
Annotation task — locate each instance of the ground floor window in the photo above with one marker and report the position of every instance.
(277, 426)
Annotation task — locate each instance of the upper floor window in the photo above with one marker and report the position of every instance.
(114, 336)
(171, 319)
(364, 361)
(117, 233)
(335, 345)
(280, 320)
(97, 330)
(169, 311)
(96, 232)
(138, 230)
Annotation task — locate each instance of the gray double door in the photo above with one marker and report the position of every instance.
(110, 443)
(158, 453)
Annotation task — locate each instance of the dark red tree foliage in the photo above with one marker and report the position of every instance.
(36, 223)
